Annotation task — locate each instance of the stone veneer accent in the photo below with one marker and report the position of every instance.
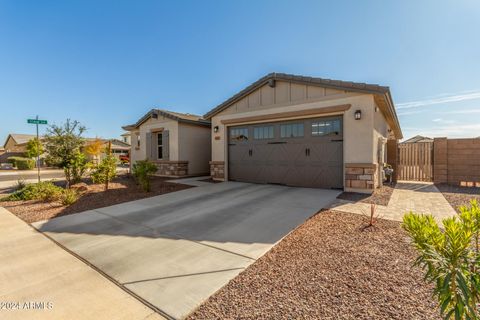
(217, 170)
(172, 168)
(360, 177)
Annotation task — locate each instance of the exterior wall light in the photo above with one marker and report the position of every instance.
(358, 115)
(215, 129)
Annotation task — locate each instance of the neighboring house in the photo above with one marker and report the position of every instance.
(178, 143)
(303, 131)
(126, 138)
(119, 148)
(15, 145)
(417, 139)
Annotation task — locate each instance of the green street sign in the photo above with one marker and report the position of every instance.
(35, 121)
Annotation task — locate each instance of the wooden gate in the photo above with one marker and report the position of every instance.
(415, 161)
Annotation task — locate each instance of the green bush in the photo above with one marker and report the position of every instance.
(450, 257)
(69, 197)
(106, 170)
(22, 163)
(143, 171)
(45, 191)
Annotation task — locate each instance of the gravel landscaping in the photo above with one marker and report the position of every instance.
(121, 189)
(458, 196)
(331, 267)
(381, 196)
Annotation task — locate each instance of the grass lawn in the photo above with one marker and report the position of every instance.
(331, 267)
(122, 189)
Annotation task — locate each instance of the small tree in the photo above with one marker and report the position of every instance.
(63, 144)
(143, 171)
(78, 166)
(34, 148)
(105, 171)
(94, 148)
(451, 258)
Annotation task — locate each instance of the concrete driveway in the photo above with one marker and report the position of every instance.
(177, 249)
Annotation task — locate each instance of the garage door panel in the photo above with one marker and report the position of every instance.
(312, 160)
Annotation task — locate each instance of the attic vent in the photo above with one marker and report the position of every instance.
(271, 83)
(154, 115)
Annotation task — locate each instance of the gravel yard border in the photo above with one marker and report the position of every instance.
(381, 196)
(331, 267)
(457, 195)
(122, 189)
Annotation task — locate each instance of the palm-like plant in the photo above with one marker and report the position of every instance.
(451, 259)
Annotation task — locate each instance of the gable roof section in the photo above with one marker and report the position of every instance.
(177, 116)
(20, 138)
(382, 94)
(417, 139)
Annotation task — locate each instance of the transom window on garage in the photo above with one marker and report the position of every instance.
(291, 130)
(325, 127)
(239, 134)
(263, 132)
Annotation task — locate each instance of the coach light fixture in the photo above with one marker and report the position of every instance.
(358, 115)
(215, 129)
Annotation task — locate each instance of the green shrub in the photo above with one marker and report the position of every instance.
(105, 171)
(69, 197)
(45, 191)
(22, 163)
(450, 257)
(143, 171)
(20, 184)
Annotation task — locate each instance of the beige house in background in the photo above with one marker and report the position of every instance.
(306, 132)
(178, 143)
(15, 145)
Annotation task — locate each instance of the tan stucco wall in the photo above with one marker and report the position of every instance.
(195, 147)
(360, 136)
(11, 146)
(148, 126)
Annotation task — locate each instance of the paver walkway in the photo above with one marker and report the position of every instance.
(419, 197)
(34, 269)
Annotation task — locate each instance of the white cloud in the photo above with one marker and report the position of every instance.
(407, 113)
(444, 121)
(467, 111)
(462, 96)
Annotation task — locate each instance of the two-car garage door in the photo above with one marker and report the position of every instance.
(303, 153)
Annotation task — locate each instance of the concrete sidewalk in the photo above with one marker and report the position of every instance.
(43, 281)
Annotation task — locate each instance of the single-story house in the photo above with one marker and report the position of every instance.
(179, 143)
(16, 145)
(304, 131)
(118, 148)
(418, 139)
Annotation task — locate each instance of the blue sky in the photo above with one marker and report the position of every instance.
(106, 63)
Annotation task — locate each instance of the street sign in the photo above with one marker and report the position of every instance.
(36, 121)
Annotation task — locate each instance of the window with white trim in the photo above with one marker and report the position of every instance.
(239, 134)
(263, 132)
(291, 130)
(325, 127)
(159, 146)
